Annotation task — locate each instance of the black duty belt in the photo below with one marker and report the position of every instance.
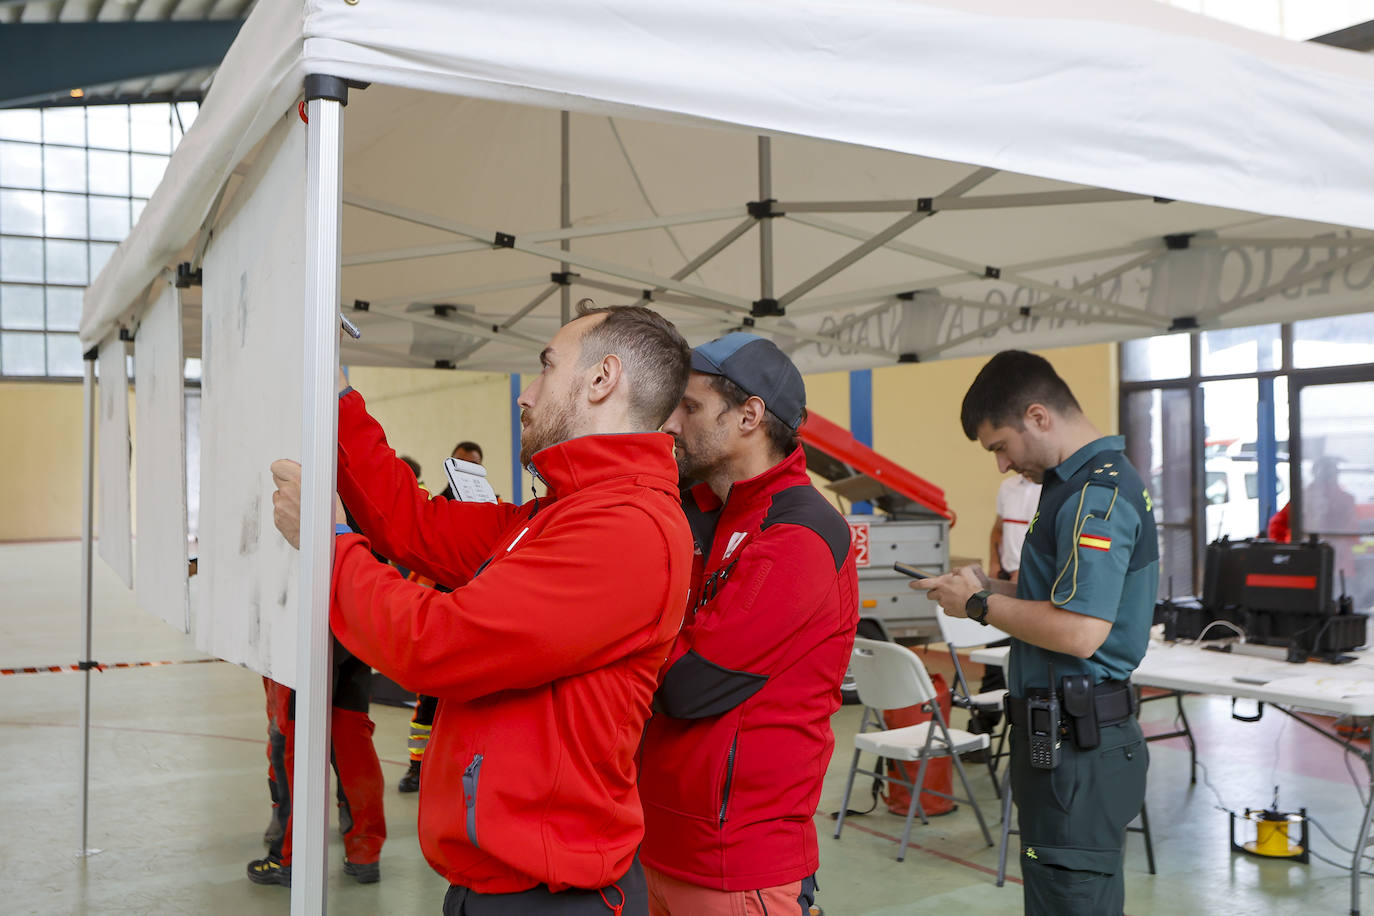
(1114, 701)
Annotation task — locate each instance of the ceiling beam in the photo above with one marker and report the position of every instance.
(40, 60)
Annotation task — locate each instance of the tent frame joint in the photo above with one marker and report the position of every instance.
(1180, 241)
(767, 308)
(126, 334)
(764, 209)
(186, 277)
(911, 357)
(361, 305)
(925, 205)
(503, 240)
(1184, 323)
(334, 88)
(563, 277)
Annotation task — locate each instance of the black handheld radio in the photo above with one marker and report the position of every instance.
(1042, 724)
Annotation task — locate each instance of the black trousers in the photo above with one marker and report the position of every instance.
(630, 891)
(1073, 821)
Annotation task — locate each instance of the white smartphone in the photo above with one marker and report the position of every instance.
(469, 481)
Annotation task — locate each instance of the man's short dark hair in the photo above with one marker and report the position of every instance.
(781, 438)
(656, 359)
(412, 464)
(1010, 383)
(466, 446)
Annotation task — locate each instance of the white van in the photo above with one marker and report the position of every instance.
(1231, 491)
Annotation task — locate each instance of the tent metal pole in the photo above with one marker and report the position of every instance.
(565, 212)
(87, 535)
(882, 238)
(765, 223)
(929, 352)
(389, 255)
(319, 433)
(954, 202)
(460, 292)
(695, 264)
(460, 324)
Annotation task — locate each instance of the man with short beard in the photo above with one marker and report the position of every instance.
(735, 755)
(546, 655)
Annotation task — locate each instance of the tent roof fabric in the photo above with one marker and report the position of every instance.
(974, 106)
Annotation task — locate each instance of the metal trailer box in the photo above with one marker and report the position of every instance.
(885, 598)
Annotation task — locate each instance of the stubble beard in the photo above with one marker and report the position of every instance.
(550, 427)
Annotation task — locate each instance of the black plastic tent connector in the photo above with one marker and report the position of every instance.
(361, 305)
(992, 273)
(767, 308)
(562, 277)
(1187, 323)
(908, 358)
(1179, 242)
(126, 334)
(503, 240)
(443, 311)
(186, 277)
(444, 364)
(764, 209)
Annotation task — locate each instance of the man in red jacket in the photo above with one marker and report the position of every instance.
(546, 656)
(735, 754)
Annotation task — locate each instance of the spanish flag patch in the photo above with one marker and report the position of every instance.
(1096, 542)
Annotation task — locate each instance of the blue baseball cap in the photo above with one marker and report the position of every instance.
(757, 366)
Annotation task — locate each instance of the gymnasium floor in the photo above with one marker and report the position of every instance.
(178, 799)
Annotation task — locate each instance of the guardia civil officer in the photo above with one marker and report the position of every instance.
(1079, 623)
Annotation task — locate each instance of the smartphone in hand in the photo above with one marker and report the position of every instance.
(913, 572)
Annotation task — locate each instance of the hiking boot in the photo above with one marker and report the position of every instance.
(364, 872)
(269, 871)
(410, 782)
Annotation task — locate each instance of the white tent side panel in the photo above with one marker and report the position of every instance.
(159, 403)
(254, 283)
(115, 526)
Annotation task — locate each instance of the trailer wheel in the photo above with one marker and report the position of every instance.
(868, 629)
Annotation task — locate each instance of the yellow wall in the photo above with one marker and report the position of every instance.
(40, 460)
(916, 424)
(425, 412)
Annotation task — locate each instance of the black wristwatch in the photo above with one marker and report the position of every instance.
(977, 606)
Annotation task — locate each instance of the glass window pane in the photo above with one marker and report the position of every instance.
(64, 308)
(64, 169)
(21, 307)
(64, 125)
(65, 215)
(21, 124)
(101, 253)
(1155, 358)
(66, 262)
(21, 353)
(109, 173)
(21, 165)
(108, 126)
(1340, 341)
(64, 355)
(1338, 481)
(1233, 351)
(150, 128)
(21, 259)
(109, 218)
(192, 369)
(186, 115)
(21, 212)
(147, 172)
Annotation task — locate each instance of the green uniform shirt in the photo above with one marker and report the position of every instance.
(1092, 550)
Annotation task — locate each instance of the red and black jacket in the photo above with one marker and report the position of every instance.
(735, 755)
(545, 664)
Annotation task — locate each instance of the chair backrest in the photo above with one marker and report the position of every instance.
(889, 676)
(962, 633)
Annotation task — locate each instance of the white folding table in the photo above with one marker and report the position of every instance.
(1337, 690)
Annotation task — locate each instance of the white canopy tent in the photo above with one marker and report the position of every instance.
(892, 181)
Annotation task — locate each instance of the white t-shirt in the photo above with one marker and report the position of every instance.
(1017, 498)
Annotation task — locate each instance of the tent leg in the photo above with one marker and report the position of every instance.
(87, 535)
(565, 213)
(766, 223)
(319, 433)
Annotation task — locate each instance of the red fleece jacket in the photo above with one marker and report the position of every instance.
(544, 664)
(735, 755)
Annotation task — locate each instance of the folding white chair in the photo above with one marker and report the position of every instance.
(889, 676)
(962, 633)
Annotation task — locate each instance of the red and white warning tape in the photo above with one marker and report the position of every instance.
(97, 666)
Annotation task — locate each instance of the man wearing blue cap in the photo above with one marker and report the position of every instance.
(735, 754)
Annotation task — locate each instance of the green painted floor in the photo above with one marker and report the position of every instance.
(178, 796)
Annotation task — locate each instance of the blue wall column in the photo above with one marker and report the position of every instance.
(517, 481)
(1266, 455)
(861, 419)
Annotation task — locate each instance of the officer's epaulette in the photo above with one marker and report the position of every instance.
(1100, 491)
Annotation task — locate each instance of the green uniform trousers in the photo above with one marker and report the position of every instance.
(1073, 821)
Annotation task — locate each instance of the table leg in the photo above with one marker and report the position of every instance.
(1356, 866)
